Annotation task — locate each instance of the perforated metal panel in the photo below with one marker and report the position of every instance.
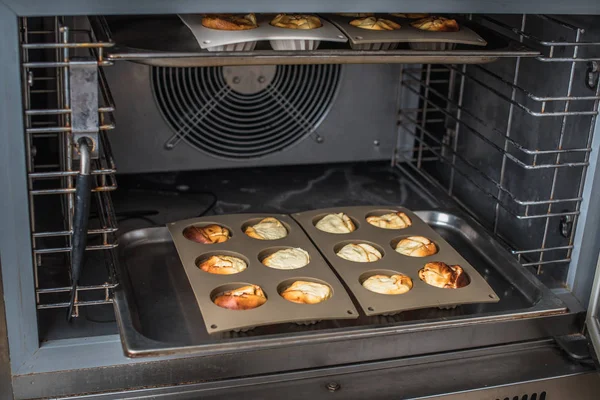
(242, 112)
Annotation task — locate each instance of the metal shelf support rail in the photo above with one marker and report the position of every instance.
(47, 47)
(435, 145)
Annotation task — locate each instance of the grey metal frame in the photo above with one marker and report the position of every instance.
(68, 359)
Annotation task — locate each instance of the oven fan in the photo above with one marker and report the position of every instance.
(246, 111)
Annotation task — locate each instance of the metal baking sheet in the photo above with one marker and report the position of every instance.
(406, 34)
(212, 37)
(422, 295)
(276, 310)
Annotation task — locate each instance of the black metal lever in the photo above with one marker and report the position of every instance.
(83, 194)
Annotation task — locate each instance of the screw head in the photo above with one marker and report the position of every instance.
(236, 79)
(333, 386)
(376, 143)
(358, 37)
(261, 79)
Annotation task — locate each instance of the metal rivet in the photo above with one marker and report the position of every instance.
(350, 312)
(236, 79)
(261, 79)
(376, 142)
(183, 188)
(213, 326)
(333, 386)
(358, 37)
(371, 309)
(206, 42)
(341, 36)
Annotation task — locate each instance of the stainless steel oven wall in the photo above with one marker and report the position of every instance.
(359, 123)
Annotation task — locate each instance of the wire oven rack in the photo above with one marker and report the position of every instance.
(518, 160)
(47, 47)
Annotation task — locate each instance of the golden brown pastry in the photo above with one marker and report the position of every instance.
(296, 21)
(223, 265)
(230, 22)
(360, 252)
(442, 275)
(243, 298)
(409, 16)
(375, 24)
(416, 246)
(306, 292)
(397, 220)
(287, 259)
(395, 284)
(436, 24)
(209, 234)
(356, 15)
(268, 229)
(336, 223)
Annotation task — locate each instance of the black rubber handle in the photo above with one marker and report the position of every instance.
(83, 194)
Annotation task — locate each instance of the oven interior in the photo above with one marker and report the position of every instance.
(505, 138)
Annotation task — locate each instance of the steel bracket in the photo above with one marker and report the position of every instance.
(83, 86)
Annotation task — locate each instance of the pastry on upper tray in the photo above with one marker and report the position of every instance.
(209, 234)
(409, 16)
(293, 258)
(296, 21)
(375, 24)
(395, 284)
(359, 252)
(306, 292)
(436, 24)
(336, 223)
(397, 220)
(242, 298)
(230, 22)
(445, 276)
(223, 265)
(416, 246)
(267, 229)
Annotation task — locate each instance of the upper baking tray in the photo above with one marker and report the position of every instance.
(165, 41)
(158, 315)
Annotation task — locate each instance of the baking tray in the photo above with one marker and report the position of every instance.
(216, 38)
(158, 315)
(165, 41)
(276, 310)
(366, 39)
(422, 295)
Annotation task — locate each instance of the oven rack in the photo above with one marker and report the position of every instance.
(448, 127)
(48, 46)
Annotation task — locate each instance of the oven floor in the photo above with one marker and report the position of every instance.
(148, 200)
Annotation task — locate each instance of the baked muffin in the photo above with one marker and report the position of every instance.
(395, 284)
(287, 259)
(416, 246)
(436, 24)
(296, 21)
(243, 298)
(230, 22)
(336, 223)
(209, 234)
(267, 229)
(223, 265)
(306, 292)
(360, 252)
(397, 220)
(445, 276)
(375, 24)
(409, 16)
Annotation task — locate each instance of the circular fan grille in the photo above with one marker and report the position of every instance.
(203, 110)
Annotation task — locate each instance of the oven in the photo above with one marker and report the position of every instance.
(117, 123)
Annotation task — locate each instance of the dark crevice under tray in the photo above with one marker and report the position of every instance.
(158, 315)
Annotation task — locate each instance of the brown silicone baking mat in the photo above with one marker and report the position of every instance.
(406, 34)
(276, 310)
(422, 295)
